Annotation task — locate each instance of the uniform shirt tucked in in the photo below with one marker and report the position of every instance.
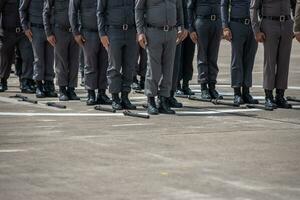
(114, 12)
(201, 8)
(158, 13)
(31, 12)
(234, 9)
(9, 15)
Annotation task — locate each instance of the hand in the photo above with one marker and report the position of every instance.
(52, 40)
(29, 34)
(297, 35)
(260, 37)
(105, 41)
(80, 40)
(142, 40)
(194, 37)
(181, 35)
(227, 34)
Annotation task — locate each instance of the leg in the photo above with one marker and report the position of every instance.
(73, 62)
(38, 47)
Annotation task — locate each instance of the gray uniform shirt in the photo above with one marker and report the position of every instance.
(274, 8)
(158, 13)
(31, 11)
(234, 9)
(55, 12)
(9, 15)
(201, 8)
(114, 12)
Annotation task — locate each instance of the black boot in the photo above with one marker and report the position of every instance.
(247, 97)
(173, 103)
(186, 89)
(116, 102)
(152, 109)
(25, 87)
(125, 102)
(142, 83)
(179, 91)
(205, 94)
(50, 89)
(39, 92)
(135, 84)
(238, 96)
(269, 104)
(213, 92)
(102, 98)
(31, 84)
(3, 85)
(91, 98)
(280, 100)
(63, 96)
(71, 94)
(164, 106)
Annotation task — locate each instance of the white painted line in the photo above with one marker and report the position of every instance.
(217, 111)
(254, 86)
(11, 150)
(125, 125)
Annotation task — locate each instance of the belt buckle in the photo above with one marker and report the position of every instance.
(166, 28)
(282, 18)
(125, 27)
(18, 30)
(213, 17)
(247, 21)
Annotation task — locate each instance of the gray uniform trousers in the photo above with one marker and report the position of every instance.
(43, 65)
(95, 57)
(243, 50)
(141, 65)
(66, 58)
(277, 51)
(7, 54)
(177, 66)
(122, 54)
(161, 54)
(209, 37)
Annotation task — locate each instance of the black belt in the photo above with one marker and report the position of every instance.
(210, 17)
(90, 30)
(63, 28)
(281, 18)
(245, 21)
(165, 28)
(15, 30)
(37, 25)
(123, 27)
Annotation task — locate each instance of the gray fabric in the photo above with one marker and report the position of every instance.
(234, 9)
(161, 54)
(9, 15)
(154, 10)
(244, 49)
(114, 12)
(141, 64)
(43, 56)
(209, 37)
(31, 11)
(66, 58)
(277, 50)
(7, 53)
(122, 59)
(95, 57)
(201, 8)
(177, 66)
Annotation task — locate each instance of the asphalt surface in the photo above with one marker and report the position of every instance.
(205, 152)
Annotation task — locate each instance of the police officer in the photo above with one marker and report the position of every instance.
(275, 31)
(237, 29)
(117, 31)
(157, 33)
(206, 30)
(12, 38)
(83, 19)
(297, 21)
(59, 35)
(31, 14)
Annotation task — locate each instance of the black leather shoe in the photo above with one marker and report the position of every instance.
(164, 106)
(91, 101)
(116, 102)
(125, 102)
(213, 92)
(152, 109)
(247, 97)
(135, 84)
(102, 98)
(186, 89)
(3, 85)
(32, 84)
(50, 89)
(25, 87)
(63, 96)
(173, 103)
(280, 101)
(39, 92)
(238, 100)
(269, 103)
(71, 94)
(205, 94)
